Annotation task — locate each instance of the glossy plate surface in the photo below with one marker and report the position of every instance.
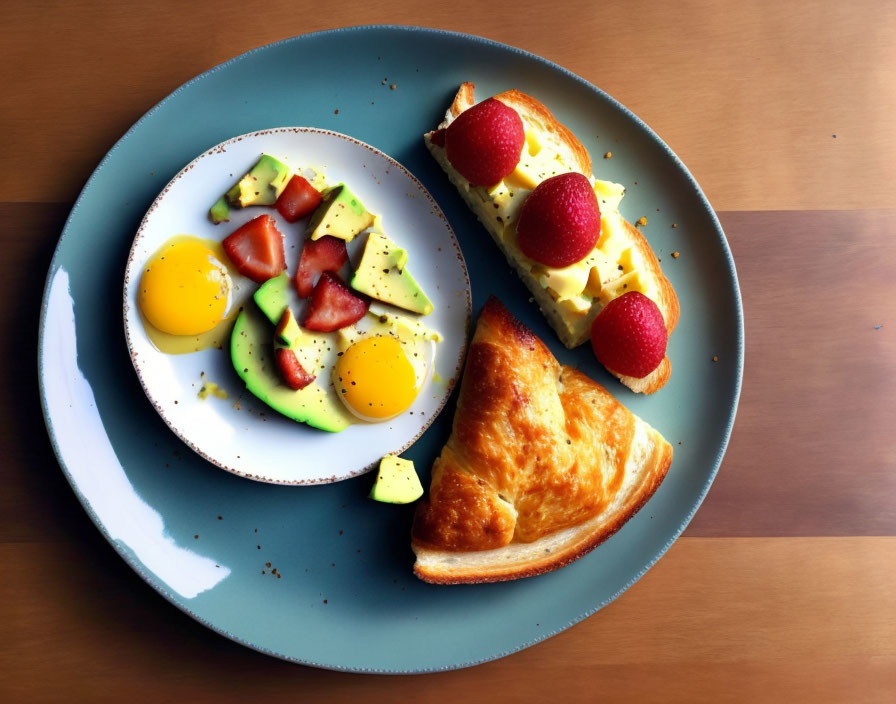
(345, 597)
(240, 433)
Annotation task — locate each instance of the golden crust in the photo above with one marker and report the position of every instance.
(576, 333)
(542, 464)
(537, 112)
(667, 299)
(462, 100)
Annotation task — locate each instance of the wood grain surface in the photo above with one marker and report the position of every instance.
(781, 588)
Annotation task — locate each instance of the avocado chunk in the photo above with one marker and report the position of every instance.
(220, 211)
(261, 185)
(339, 214)
(287, 332)
(272, 297)
(252, 355)
(396, 482)
(383, 275)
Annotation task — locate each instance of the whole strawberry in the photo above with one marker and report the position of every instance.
(485, 141)
(559, 221)
(629, 335)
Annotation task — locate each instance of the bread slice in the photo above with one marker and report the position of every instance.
(542, 464)
(571, 319)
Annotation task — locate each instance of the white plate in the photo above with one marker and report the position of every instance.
(240, 433)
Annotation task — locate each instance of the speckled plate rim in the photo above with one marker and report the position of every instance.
(183, 434)
(586, 85)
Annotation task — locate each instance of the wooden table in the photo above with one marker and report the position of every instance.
(782, 587)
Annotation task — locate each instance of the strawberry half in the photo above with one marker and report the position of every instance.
(485, 141)
(629, 335)
(298, 199)
(256, 249)
(438, 137)
(291, 369)
(559, 221)
(326, 254)
(333, 306)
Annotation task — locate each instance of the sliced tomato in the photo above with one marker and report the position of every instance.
(326, 254)
(291, 369)
(256, 249)
(333, 306)
(298, 199)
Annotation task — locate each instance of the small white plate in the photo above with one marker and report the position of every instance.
(240, 433)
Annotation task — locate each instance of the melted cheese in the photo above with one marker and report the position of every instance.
(599, 272)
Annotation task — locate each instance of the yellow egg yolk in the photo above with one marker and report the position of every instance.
(375, 379)
(183, 290)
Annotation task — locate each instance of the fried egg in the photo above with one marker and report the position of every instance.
(184, 288)
(381, 369)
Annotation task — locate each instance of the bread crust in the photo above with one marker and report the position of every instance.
(542, 465)
(572, 332)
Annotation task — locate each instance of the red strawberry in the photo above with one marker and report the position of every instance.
(298, 199)
(438, 137)
(291, 369)
(559, 221)
(485, 141)
(333, 306)
(326, 254)
(256, 249)
(629, 335)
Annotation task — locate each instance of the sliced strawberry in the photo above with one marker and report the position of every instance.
(326, 254)
(291, 369)
(484, 143)
(559, 221)
(298, 199)
(629, 335)
(333, 306)
(256, 249)
(438, 137)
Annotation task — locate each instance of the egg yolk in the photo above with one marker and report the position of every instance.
(375, 379)
(183, 290)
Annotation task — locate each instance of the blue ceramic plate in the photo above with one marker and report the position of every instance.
(322, 575)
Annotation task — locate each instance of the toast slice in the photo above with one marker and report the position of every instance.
(542, 464)
(570, 298)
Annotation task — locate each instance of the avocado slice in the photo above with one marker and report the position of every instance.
(339, 214)
(272, 297)
(383, 275)
(396, 482)
(251, 353)
(261, 185)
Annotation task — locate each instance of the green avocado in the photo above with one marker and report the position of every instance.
(382, 274)
(261, 185)
(272, 297)
(396, 482)
(220, 211)
(339, 214)
(288, 333)
(252, 355)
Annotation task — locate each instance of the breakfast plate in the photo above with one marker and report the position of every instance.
(321, 575)
(235, 430)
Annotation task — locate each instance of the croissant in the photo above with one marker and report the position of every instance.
(542, 464)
